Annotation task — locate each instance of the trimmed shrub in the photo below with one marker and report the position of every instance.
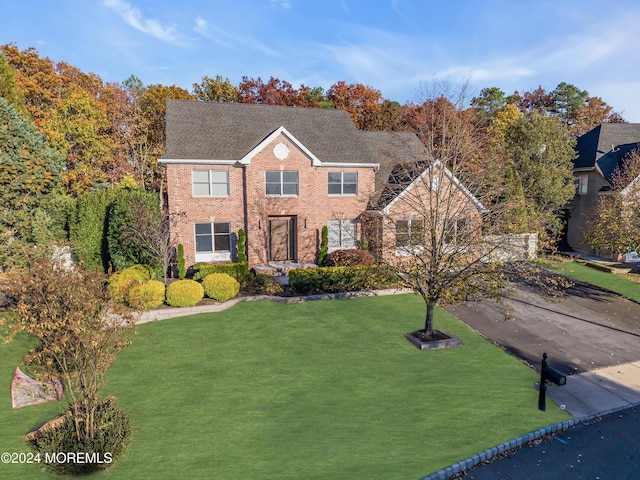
(349, 258)
(324, 246)
(112, 438)
(242, 246)
(268, 285)
(121, 282)
(239, 271)
(146, 295)
(182, 270)
(184, 293)
(340, 279)
(88, 226)
(220, 286)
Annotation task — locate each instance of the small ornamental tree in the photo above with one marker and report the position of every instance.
(324, 245)
(80, 334)
(242, 246)
(182, 270)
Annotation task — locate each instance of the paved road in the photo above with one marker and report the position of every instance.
(607, 449)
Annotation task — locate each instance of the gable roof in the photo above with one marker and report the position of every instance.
(409, 180)
(231, 131)
(604, 147)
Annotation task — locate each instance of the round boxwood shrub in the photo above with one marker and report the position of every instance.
(220, 286)
(112, 438)
(184, 293)
(121, 282)
(146, 295)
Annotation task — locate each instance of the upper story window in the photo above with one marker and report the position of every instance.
(343, 183)
(281, 183)
(583, 184)
(210, 183)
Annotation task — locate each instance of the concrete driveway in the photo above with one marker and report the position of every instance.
(592, 335)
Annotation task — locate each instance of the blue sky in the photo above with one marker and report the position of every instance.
(392, 45)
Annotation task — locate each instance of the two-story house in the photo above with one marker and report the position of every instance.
(600, 152)
(279, 173)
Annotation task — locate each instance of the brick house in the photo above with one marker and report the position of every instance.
(600, 151)
(279, 173)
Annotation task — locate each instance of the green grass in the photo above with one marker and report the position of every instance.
(593, 276)
(318, 390)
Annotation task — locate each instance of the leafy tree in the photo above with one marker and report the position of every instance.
(567, 100)
(216, 90)
(594, 112)
(490, 101)
(540, 151)
(29, 172)
(615, 226)
(69, 312)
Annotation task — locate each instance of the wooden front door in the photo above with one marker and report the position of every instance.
(282, 239)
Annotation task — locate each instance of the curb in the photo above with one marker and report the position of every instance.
(468, 463)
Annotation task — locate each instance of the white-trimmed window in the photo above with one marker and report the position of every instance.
(210, 183)
(342, 234)
(213, 241)
(583, 184)
(455, 229)
(409, 234)
(281, 183)
(343, 183)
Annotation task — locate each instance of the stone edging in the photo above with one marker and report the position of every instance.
(165, 313)
(468, 463)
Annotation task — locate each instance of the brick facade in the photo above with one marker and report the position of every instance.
(249, 207)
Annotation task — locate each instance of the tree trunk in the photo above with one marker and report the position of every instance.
(428, 324)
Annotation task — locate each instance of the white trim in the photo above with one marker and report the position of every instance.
(197, 161)
(246, 160)
(452, 178)
(349, 165)
(627, 189)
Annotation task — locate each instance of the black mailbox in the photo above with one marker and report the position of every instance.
(553, 375)
(548, 375)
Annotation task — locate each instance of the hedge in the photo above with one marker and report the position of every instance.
(349, 258)
(341, 279)
(146, 295)
(121, 282)
(239, 271)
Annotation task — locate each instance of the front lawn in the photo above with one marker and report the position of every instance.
(584, 273)
(326, 389)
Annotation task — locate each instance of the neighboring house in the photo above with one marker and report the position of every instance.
(279, 173)
(600, 151)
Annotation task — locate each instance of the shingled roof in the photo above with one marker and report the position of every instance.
(228, 131)
(605, 147)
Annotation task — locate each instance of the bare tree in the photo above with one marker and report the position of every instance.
(440, 222)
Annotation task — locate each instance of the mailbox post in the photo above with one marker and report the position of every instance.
(548, 375)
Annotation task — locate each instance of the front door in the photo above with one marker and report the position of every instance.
(282, 234)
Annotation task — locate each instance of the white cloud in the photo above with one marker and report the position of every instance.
(224, 38)
(280, 3)
(134, 18)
